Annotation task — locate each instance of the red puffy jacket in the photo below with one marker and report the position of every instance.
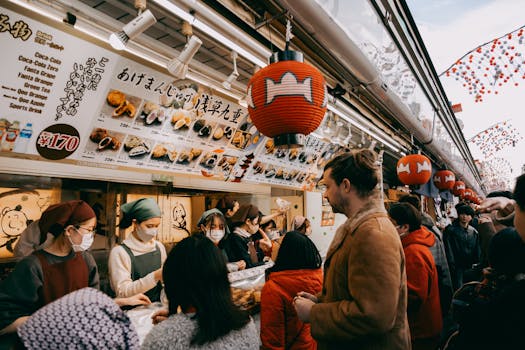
(280, 326)
(424, 309)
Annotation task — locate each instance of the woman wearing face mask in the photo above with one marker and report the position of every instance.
(212, 225)
(61, 268)
(136, 265)
(239, 245)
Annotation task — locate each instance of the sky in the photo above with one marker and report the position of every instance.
(450, 29)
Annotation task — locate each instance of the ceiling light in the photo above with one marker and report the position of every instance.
(178, 67)
(234, 75)
(131, 30)
(396, 148)
(219, 37)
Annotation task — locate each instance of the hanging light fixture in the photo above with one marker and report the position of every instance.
(287, 99)
(139, 24)
(178, 66)
(234, 75)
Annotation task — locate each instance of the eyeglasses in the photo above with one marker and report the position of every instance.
(91, 230)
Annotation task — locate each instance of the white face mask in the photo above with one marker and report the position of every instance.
(87, 241)
(146, 234)
(215, 235)
(274, 234)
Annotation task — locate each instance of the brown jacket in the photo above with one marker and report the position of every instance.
(364, 299)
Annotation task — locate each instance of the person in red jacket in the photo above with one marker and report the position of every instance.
(424, 309)
(297, 268)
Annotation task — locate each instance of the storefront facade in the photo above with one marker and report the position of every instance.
(82, 120)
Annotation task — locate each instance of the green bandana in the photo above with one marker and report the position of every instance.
(140, 210)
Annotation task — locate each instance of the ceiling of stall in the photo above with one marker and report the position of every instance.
(167, 30)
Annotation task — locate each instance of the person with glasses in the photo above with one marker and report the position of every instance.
(48, 274)
(135, 266)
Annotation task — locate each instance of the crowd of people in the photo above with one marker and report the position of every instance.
(391, 279)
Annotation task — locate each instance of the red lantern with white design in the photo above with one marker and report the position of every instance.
(444, 179)
(468, 194)
(287, 99)
(459, 188)
(414, 169)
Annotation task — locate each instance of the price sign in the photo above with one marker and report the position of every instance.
(57, 141)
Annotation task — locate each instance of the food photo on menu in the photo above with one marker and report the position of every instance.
(104, 141)
(202, 128)
(289, 174)
(152, 115)
(121, 106)
(222, 134)
(188, 156)
(269, 146)
(136, 148)
(226, 164)
(258, 167)
(251, 135)
(164, 152)
(270, 171)
(180, 120)
(209, 160)
(240, 139)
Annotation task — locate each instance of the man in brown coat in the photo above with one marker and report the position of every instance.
(364, 297)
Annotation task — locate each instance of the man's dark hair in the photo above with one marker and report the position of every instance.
(506, 194)
(405, 213)
(359, 167)
(195, 275)
(411, 199)
(519, 192)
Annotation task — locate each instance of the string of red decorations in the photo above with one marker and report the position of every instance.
(489, 66)
(495, 173)
(496, 138)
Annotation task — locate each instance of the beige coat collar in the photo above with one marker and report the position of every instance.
(374, 205)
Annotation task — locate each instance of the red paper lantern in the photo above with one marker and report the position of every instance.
(444, 179)
(414, 169)
(459, 188)
(287, 99)
(468, 194)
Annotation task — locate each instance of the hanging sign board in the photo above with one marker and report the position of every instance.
(68, 100)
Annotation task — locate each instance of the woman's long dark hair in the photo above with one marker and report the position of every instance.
(296, 252)
(195, 275)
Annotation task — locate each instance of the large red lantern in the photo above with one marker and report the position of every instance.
(414, 169)
(444, 179)
(287, 99)
(459, 188)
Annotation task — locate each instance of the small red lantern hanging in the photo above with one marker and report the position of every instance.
(444, 179)
(459, 188)
(468, 194)
(414, 169)
(287, 99)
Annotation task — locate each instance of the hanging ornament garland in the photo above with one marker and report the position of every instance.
(496, 138)
(484, 70)
(495, 173)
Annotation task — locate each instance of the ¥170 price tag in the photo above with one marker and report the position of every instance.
(57, 141)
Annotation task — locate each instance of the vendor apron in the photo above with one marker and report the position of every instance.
(142, 265)
(62, 278)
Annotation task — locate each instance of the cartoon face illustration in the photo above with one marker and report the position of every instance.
(13, 221)
(179, 216)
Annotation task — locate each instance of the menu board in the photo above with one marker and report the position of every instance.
(65, 99)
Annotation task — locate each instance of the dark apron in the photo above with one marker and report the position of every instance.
(62, 278)
(142, 265)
